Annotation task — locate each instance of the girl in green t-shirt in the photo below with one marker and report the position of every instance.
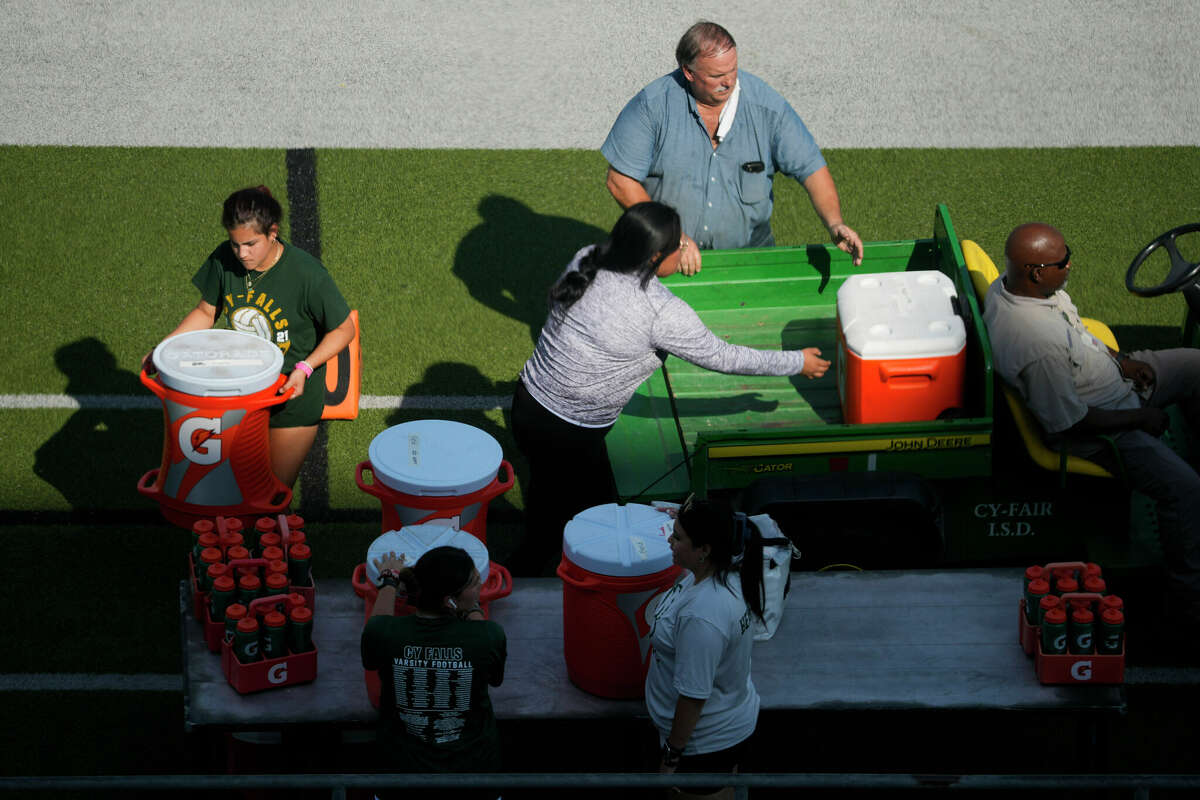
(268, 287)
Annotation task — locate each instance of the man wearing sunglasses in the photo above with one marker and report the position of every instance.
(1078, 389)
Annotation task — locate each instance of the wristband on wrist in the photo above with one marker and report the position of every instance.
(670, 755)
(305, 368)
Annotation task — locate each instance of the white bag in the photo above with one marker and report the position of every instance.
(778, 553)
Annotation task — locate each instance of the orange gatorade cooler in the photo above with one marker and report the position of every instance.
(216, 387)
(616, 562)
(413, 542)
(901, 347)
(435, 469)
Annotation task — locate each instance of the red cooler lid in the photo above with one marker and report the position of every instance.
(620, 541)
(219, 363)
(435, 457)
(414, 541)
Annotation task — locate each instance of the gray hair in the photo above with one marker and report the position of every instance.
(702, 39)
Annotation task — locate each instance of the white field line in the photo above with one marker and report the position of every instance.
(33, 402)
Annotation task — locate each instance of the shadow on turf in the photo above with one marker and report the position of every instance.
(509, 260)
(82, 460)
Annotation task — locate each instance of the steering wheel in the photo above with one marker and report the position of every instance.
(1182, 272)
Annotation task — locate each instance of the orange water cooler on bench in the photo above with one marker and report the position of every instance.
(431, 469)
(901, 347)
(616, 566)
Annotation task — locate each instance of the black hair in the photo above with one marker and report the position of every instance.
(729, 536)
(701, 39)
(642, 238)
(253, 207)
(440, 572)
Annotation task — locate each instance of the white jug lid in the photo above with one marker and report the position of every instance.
(435, 457)
(620, 541)
(217, 362)
(415, 541)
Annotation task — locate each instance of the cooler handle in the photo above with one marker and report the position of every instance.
(158, 389)
(153, 384)
(362, 586)
(285, 500)
(499, 487)
(146, 484)
(497, 574)
(910, 369)
(369, 488)
(588, 582)
(275, 399)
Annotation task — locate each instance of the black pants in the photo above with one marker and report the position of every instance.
(568, 472)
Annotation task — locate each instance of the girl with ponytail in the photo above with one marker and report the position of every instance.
(610, 325)
(698, 688)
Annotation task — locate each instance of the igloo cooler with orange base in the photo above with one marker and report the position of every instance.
(616, 563)
(901, 347)
(435, 469)
(217, 387)
(413, 542)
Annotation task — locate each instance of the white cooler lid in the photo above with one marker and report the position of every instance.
(217, 362)
(435, 457)
(900, 315)
(415, 541)
(620, 541)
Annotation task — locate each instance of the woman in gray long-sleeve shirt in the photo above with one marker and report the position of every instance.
(610, 317)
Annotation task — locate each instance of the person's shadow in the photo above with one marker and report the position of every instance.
(478, 397)
(509, 261)
(83, 459)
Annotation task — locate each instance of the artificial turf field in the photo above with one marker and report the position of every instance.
(447, 255)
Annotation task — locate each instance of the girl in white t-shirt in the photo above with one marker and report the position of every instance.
(698, 689)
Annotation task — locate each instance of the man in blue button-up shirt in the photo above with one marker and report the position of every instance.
(707, 142)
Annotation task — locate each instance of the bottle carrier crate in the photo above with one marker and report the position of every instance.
(274, 673)
(267, 673)
(1069, 668)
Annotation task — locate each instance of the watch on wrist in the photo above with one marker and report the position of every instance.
(389, 577)
(670, 755)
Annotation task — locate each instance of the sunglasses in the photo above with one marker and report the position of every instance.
(1060, 264)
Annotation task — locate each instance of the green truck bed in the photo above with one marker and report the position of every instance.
(689, 429)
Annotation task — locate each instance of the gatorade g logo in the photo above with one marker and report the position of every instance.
(196, 440)
(1081, 670)
(278, 673)
(1060, 643)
